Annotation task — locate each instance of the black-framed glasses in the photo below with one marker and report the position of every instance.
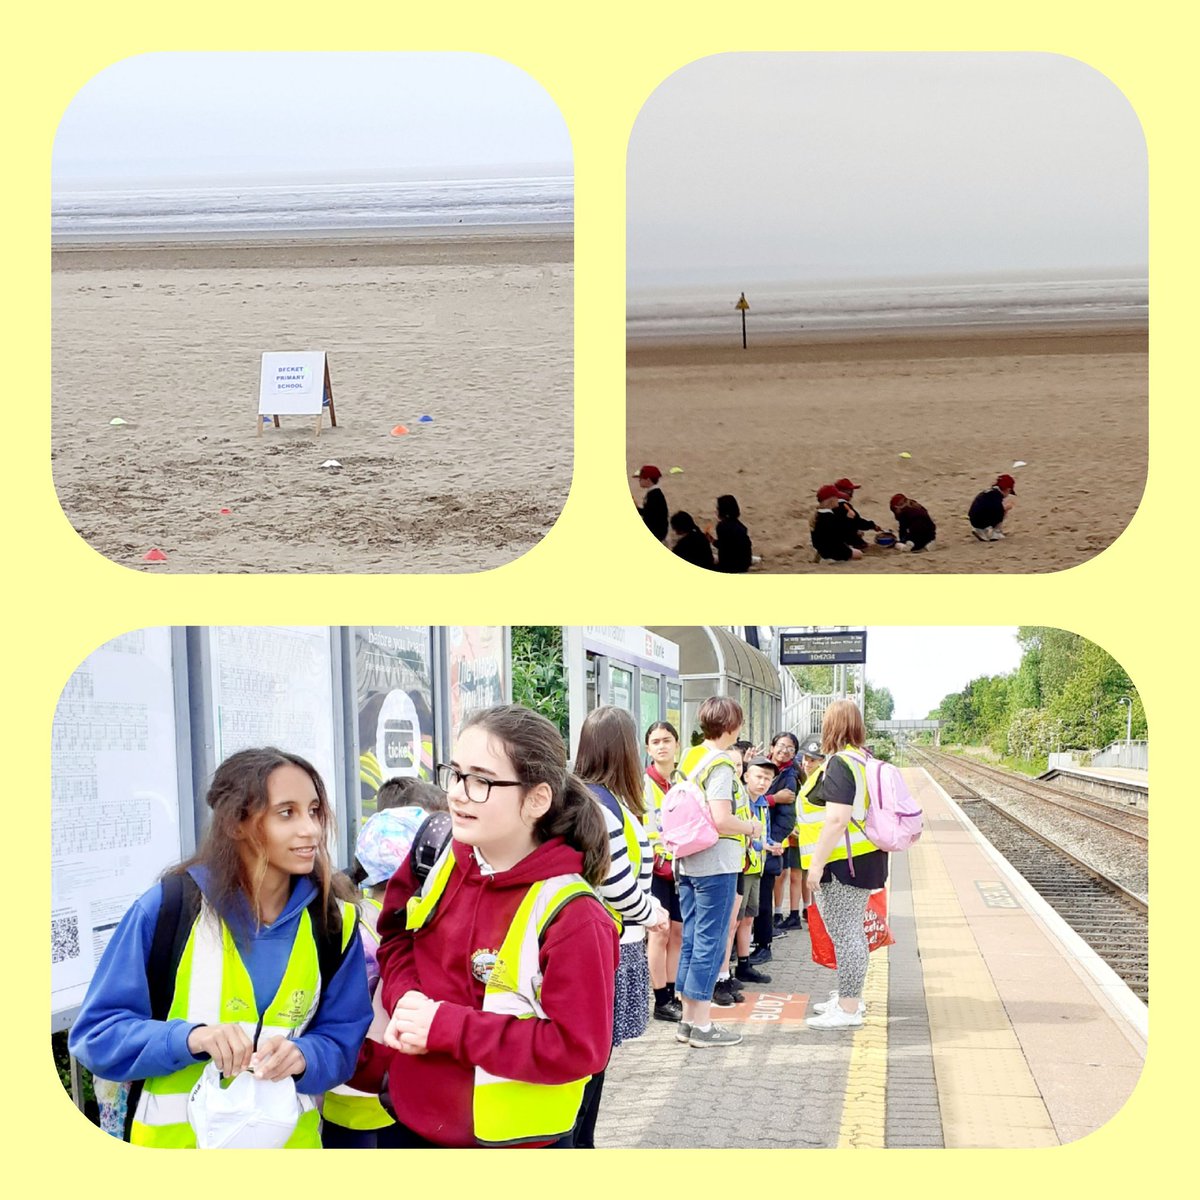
(477, 788)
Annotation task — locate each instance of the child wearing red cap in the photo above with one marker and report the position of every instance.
(654, 509)
(989, 509)
(832, 533)
(850, 514)
(915, 526)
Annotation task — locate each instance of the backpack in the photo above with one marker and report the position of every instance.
(686, 823)
(180, 907)
(429, 841)
(893, 820)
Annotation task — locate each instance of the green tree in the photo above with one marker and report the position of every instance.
(816, 681)
(539, 676)
(879, 704)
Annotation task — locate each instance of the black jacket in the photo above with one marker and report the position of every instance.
(655, 515)
(694, 547)
(733, 547)
(987, 509)
(831, 535)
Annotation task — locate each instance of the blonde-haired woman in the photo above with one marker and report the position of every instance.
(846, 867)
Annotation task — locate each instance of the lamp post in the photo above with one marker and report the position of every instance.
(1125, 700)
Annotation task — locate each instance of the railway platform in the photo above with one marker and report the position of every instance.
(989, 1024)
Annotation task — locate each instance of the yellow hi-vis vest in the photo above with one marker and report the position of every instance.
(213, 987)
(698, 764)
(743, 808)
(652, 795)
(811, 816)
(344, 1105)
(508, 1112)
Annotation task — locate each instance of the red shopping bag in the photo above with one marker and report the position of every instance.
(875, 924)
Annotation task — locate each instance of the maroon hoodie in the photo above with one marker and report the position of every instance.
(432, 1092)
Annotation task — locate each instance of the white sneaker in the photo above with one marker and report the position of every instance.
(903, 546)
(984, 535)
(996, 535)
(835, 1018)
(832, 1002)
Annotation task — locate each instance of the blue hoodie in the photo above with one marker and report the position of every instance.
(115, 1037)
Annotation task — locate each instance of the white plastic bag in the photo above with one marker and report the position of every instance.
(249, 1114)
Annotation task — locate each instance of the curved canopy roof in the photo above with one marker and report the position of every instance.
(708, 650)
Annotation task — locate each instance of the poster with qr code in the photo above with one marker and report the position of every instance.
(114, 803)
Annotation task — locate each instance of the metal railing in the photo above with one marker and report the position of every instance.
(1133, 755)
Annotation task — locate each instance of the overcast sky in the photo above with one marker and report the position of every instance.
(755, 167)
(199, 116)
(921, 664)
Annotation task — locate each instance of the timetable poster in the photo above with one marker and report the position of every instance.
(272, 685)
(394, 691)
(114, 802)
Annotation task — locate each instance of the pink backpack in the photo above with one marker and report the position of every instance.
(893, 820)
(686, 824)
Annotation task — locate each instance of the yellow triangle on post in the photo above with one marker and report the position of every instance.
(743, 304)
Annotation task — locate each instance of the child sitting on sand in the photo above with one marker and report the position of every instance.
(915, 526)
(847, 511)
(690, 543)
(989, 509)
(732, 538)
(832, 534)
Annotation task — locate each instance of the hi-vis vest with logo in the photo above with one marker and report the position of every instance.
(344, 1105)
(213, 987)
(698, 764)
(810, 816)
(507, 1112)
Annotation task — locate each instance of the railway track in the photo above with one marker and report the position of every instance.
(1133, 822)
(1111, 918)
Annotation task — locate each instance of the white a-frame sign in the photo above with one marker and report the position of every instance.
(295, 385)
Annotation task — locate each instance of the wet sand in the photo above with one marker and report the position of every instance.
(473, 330)
(773, 423)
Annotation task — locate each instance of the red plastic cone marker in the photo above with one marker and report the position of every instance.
(226, 511)
(154, 555)
(399, 431)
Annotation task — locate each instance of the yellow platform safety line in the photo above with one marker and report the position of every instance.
(864, 1109)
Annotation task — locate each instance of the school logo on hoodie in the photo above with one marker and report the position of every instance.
(482, 962)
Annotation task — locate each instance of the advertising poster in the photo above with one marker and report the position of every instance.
(272, 685)
(394, 694)
(114, 804)
(476, 670)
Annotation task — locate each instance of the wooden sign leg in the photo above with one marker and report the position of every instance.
(329, 394)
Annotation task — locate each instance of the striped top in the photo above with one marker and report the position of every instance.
(628, 895)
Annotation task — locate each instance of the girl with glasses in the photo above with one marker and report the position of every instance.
(498, 967)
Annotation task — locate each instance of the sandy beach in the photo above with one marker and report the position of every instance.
(473, 330)
(772, 423)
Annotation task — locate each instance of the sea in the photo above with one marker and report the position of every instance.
(783, 311)
(309, 209)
